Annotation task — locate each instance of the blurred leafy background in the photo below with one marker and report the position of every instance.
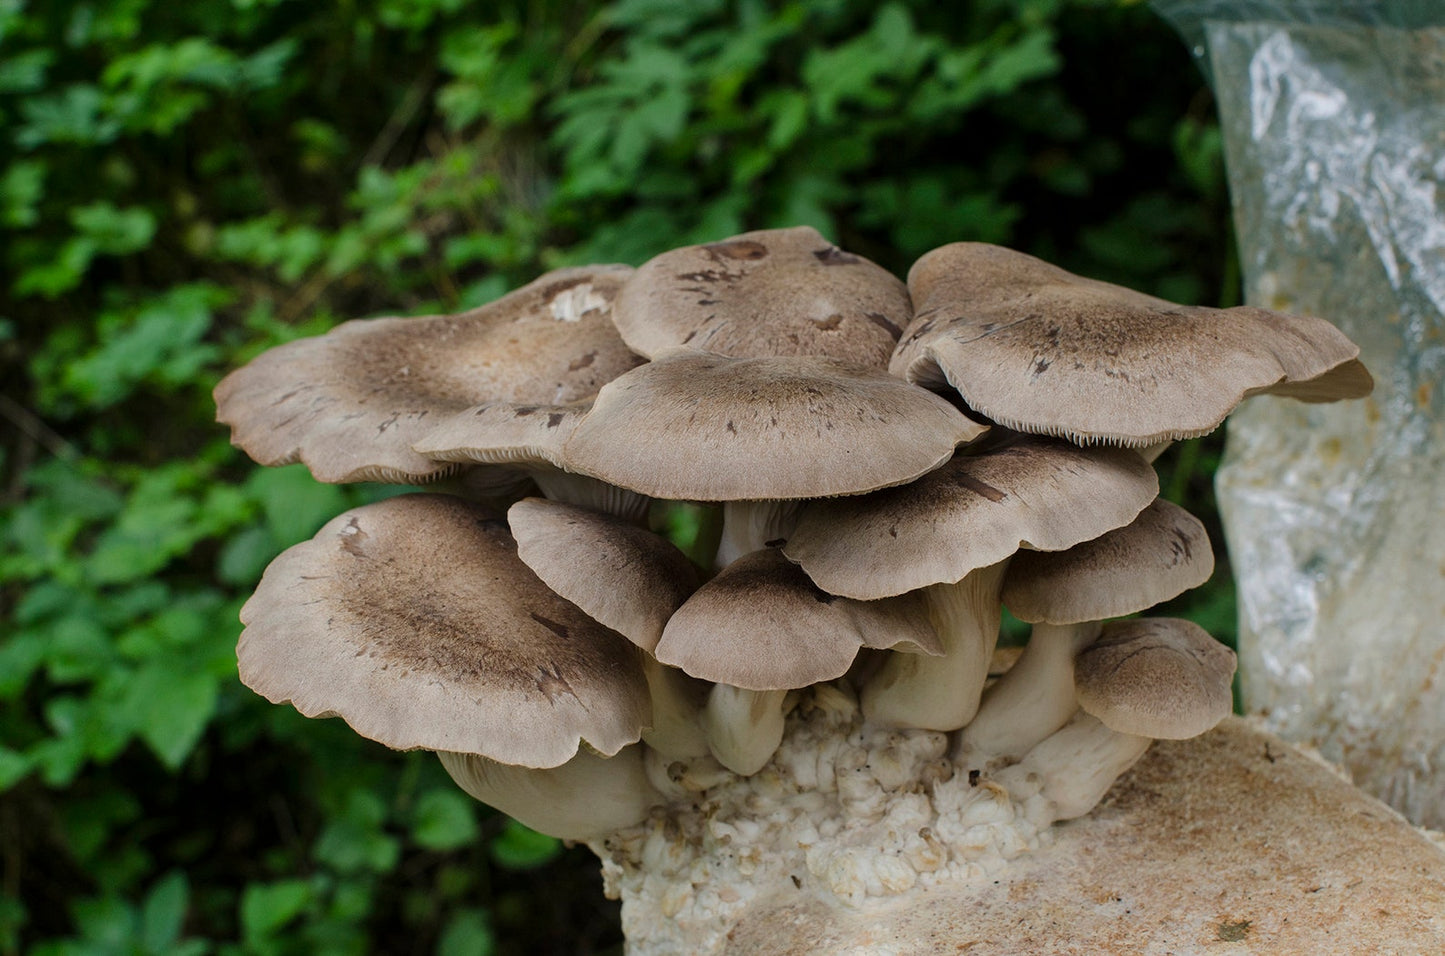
(185, 184)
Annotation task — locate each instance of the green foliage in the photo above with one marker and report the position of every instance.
(185, 185)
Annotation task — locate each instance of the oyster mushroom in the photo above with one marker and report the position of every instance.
(414, 620)
(768, 293)
(1142, 680)
(1038, 349)
(750, 432)
(350, 403)
(630, 580)
(952, 532)
(1065, 594)
(761, 628)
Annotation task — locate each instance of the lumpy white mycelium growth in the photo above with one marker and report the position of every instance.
(845, 810)
(803, 712)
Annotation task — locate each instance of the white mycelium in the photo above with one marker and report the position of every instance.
(846, 811)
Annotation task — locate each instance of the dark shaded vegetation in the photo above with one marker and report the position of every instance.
(184, 185)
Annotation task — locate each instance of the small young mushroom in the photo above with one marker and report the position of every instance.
(767, 293)
(1164, 678)
(350, 403)
(1142, 680)
(628, 579)
(1064, 594)
(762, 628)
(1038, 349)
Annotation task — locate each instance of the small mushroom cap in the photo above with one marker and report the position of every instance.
(415, 621)
(350, 403)
(1160, 554)
(1164, 678)
(1041, 350)
(624, 576)
(773, 292)
(704, 427)
(974, 511)
(762, 625)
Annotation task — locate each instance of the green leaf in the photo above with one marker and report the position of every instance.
(107, 922)
(24, 72)
(21, 189)
(170, 710)
(267, 907)
(14, 767)
(20, 657)
(467, 933)
(294, 504)
(444, 820)
(519, 847)
(354, 840)
(113, 230)
(164, 912)
(74, 115)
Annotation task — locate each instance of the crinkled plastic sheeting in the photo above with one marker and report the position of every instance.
(1334, 126)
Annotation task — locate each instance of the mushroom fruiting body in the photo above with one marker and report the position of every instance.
(812, 718)
(1038, 349)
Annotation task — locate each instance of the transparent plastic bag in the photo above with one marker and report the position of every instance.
(1334, 125)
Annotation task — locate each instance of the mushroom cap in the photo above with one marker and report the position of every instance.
(504, 433)
(705, 427)
(625, 577)
(1038, 349)
(975, 511)
(1164, 678)
(350, 403)
(772, 292)
(762, 625)
(1160, 554)
(415, 621)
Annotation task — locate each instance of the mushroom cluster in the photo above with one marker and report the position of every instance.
(815, 707)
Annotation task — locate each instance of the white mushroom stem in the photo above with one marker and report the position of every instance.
(586, 797)
(750, 525)
(588, 492)
(1071, 769)
(676, 733)
(942, 693)
(744, 727)
(1031, 700)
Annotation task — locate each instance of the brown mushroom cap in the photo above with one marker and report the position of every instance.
(772, 292)
(1160, 554)
(1041, 350)
(415, 621)
(974, 511)
(762, 625)
(1164, 678)
(624, 576)
(350, 403)
(704, 427)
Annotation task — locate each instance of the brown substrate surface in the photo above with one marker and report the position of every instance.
(1231, 843)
